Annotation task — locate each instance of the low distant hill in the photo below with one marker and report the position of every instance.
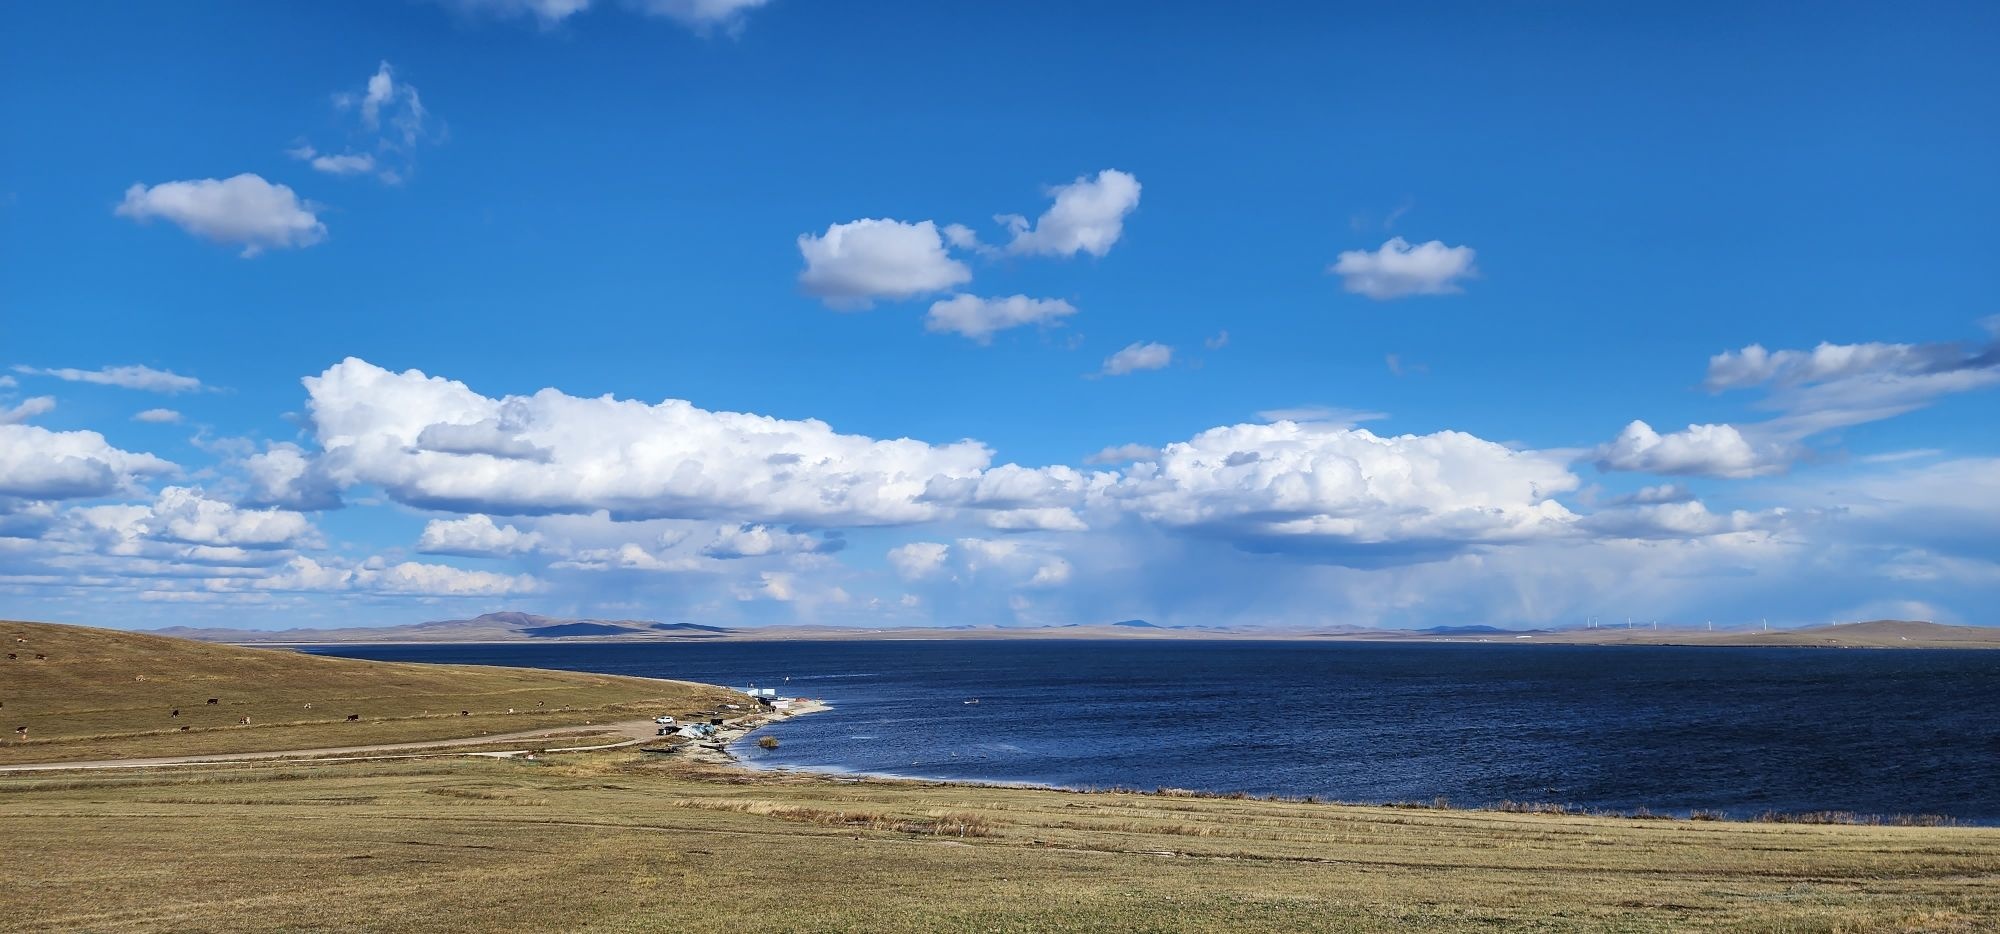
(489, 627)
(1478, 629)
(1877, 634)
(528, 627)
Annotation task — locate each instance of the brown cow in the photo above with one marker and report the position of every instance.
(184, 729)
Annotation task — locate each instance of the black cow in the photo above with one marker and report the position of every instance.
(215, 700)
(176, 713)
(353, 717)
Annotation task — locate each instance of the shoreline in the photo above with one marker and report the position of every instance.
(1819, 817)
(1690, 640)
(719, 749)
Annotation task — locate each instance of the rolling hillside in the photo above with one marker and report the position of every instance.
(97, 693)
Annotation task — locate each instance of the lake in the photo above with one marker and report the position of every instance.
(1739, 730)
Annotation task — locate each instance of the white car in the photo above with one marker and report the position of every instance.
(664, 721)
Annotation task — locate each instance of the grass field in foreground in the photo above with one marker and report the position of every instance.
(619, 841)
(102, 694)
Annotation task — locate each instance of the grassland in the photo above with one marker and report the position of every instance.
(629, 840)
(102, 694)
(622, 841)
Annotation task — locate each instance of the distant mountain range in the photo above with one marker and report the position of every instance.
(490, 627)
(1477, 629)
(528, 627)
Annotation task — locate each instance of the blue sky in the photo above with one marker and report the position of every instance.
(1386, 289)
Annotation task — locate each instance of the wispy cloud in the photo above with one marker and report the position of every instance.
(390, 125)
(1138, 356)
(127, 377)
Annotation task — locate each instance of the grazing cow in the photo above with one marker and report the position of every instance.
(244, 721)
(309, 706)
(465, 713)
(353, 717)
(214, 700)
(20, 732)
(40, 656)
(176, 713)
(184, 729)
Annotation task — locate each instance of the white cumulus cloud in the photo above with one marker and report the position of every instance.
(1287, 486)
(185, 515)
(1088, 216)
(1710, 450)
(756, 541)
(1138, 356)
(853, 264)
(243, 210)
(475, 536)
(636, 460)
(376, 575)
(1398, 269)
(36, 463)
(979, 318)
(158, 416)
(345, 163)
(918, 560)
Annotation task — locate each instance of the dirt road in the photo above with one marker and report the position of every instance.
(634, 731)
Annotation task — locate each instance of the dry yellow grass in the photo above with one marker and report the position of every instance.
(101, 694)
(630, 841)
(627, 841)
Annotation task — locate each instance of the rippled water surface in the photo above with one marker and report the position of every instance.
(1666, 728)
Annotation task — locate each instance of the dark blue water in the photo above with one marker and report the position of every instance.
(1666, 728)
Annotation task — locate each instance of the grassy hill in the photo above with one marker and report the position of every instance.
(99, 694)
